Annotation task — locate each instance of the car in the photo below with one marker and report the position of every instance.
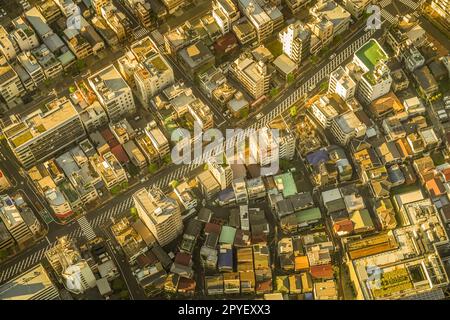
(311, 88)
(259, 116)
(137, 118)
(332, 56)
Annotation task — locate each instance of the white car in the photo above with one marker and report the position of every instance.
(259, 116)
(332, 56)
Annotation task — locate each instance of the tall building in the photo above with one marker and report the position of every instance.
(68, 265)
(11, 88)
(346, 127)
(442, 8)
(376, 79)
(33, 284)
(225, 13)
(222, 172)
(113, 93)
(356, 7)
(342, 84)
(13, 220)
(173, 5)
(263, 16)
(98, 4)
(161, 214)
(329, 19)
(153, 72)
(42, 133)
(253, 75)
(296, 39)
(7, 45)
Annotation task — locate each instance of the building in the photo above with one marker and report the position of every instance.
(109, 169)
(24, 35)
(13, 220)
(328, 21)
(158, 139)
(33, 284)
(347, 126)
(152, 73)
(74, 271)
(225, 13)
(32, 67)
(161, 214)
(11, 88)
(356, 7)
(7, 45)
(426, 82)
(222, 172)
(195, 57)
(173, 5)
(342, 84)
(50, 65)
(376, 79)
(296, 40)
(245, 32)
(42, 133)
(442, 8)
(295, 6)
(208, 184)
(253, 75)
(264, 17)
(113, 93)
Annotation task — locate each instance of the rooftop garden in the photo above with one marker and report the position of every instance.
(371, 53)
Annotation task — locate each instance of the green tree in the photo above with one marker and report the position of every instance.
(293, 111)
(134, 213)
(167, 159)
(244, 113)
(290, 78)
(274, 92)
(3, 254)
(72, 89)
(173, 183)
(118, 284)
(152, 167)
(124, 295)
(323, 86)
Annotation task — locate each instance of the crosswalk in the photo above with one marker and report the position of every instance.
(388, 17)
(86, 228)
(140, 33)
(385, 3)
(411, 3)
(24, 264)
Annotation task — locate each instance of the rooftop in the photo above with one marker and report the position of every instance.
(371, 53)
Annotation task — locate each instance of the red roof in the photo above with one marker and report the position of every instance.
(120, 154)
(146, 259)
(324, 271)
(259, 238)
(183, 258)
(186, 285)
(264, 286)
(109, 137)
(212, 228)
(435, 187)
(446, 174)
(343, 226)
(227, 41)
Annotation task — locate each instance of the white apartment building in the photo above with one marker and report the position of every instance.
(153, 73)
(225, 13)
(323, 111)
(51, 66)
(342, 84)
(262, 16)
(222, 172)
(113, 93)
(7, 45)
(161, 214)
(346, 127)
(32, 67)
(13, 220)
(24, 35)
(42, 133)
(296, 40)
(376, 79)
(11, 88)
(67, 7)
(158, 139)
(254, 76)
(109, 169)
(58, 202)
(329, 20)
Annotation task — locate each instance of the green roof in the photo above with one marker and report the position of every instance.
(371, 53)
(308, 215)
(287, 182)
(227, 235)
